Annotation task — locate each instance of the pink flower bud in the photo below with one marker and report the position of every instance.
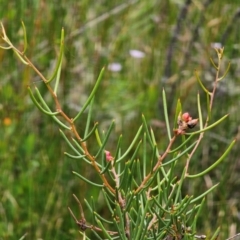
(186, 117)
(109, 157)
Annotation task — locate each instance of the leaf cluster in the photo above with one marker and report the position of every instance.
(142, 192)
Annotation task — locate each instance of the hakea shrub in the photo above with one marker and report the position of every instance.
(142, 194)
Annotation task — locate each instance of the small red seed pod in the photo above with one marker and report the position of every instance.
(186, 117)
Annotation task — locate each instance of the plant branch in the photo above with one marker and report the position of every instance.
(212, 95)
(158, 164)
(28, 62)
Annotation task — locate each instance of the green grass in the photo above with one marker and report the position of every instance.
(36, 183)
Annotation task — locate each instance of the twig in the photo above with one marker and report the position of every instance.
(233, 237)
(82, 222)
(212, 95)
(158, 164)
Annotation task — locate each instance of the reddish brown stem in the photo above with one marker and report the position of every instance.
(158, 164)
(212, 95)
(73, 128)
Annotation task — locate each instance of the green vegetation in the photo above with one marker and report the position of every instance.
(36, 178)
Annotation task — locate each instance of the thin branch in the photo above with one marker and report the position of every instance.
(158, 164)
(212, 95)
(82, 222)
(61, 112)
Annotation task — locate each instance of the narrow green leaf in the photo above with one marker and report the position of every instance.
(105, 139)
(153, 159)
(144, 155)
(105, 232)
(162, 208)
(39, 106)
(41, 98)
(184, 205)
(204, 194)
(208, 107)
(58, 78)
(166, 115)
(78, 146)
(107, 200)
(165, 175)
(88, 181)
(139, 173)
(23, 237)
(91, 95)
(136, 151)
(182, 144)
(147, 131)
(5, 38)
(213, 63)
(25, 38)
(126, 179)
(102, 219)
(133, 214)
(86, 137)
(208, 127)
(180, 154)
(171, 172)
(46, 106)
(159, 188)
(59, 62)
(121, 220)
(20, 57)
(120, 232)
(96, 234)
(6, 48)
(118, 148)
(93, 206)
(73, 156)
(177, 112)
(106, 168)
(201, 84)
(199, 112)
(82, 151)
(226, 72)
(142, 218)
(91, 210)
(179, 190)
(89, 116)
(131, 145)
(219, 52)
(215, 235)
(194, 224)
(129, 199)
(214, 164)
(69, 143)
(191, 214)
(98, 138)
(83, 234)
(153, 137)
(60, 123)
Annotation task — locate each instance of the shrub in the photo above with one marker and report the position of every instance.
(142, 188)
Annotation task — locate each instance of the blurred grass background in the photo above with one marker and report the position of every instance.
(171, 38)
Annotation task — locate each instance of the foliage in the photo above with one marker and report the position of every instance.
(144, 198)
(36, 181)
